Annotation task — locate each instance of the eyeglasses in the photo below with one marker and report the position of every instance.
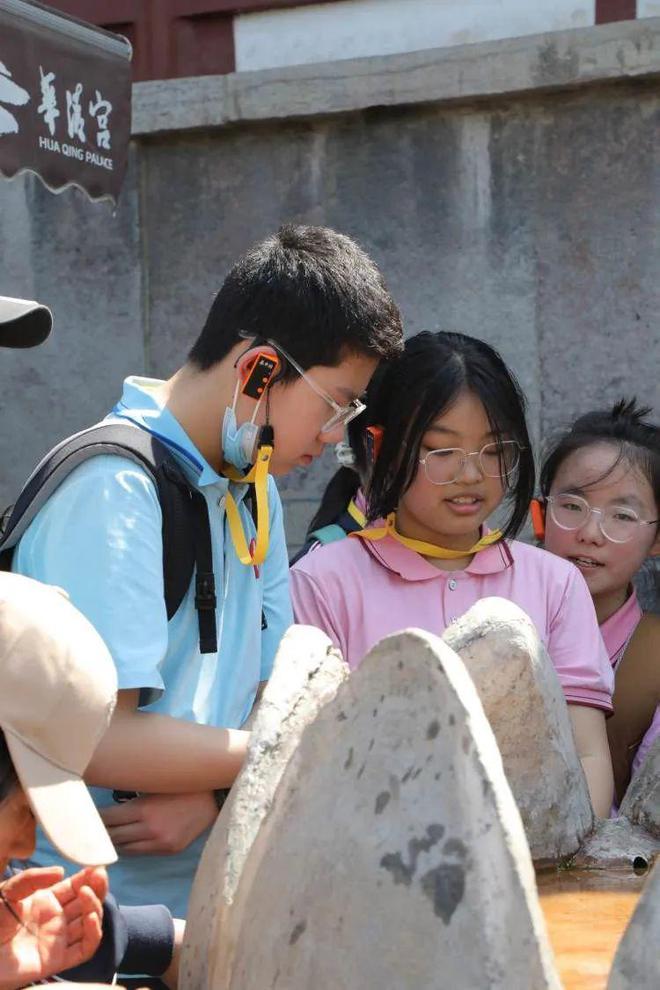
(496, 460)
(617, 523)
(342, 415)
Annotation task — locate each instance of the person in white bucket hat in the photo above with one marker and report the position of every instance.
(57, 694)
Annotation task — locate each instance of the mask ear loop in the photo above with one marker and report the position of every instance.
(255, 553)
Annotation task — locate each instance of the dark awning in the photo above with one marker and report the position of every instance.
(65, 99)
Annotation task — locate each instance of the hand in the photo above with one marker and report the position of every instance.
(48, 924)
(159, 824)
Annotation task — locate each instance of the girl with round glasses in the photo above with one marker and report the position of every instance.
(454, 449)
(601, 495)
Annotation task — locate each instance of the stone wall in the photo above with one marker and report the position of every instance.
(508, 189)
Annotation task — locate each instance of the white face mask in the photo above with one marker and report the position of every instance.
(239, 442)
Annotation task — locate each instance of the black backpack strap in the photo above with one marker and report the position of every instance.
(181, 547)
(205, 600)
(251, 501)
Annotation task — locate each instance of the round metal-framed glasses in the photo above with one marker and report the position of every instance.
(617, 523)
(496, 460)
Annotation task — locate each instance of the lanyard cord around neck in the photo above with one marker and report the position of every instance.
(356, 513)
(257, 476)
(426, 549)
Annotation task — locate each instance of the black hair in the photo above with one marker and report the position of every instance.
(419, 387)
(339, 491)
(625, 427)
(8, 777)
(310, 289)
(344, 484)
(406, 395)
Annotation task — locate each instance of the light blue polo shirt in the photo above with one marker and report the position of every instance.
(99, 537)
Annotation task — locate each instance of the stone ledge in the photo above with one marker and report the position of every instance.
(541, 62)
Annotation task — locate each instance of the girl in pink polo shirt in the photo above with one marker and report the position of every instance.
(454, 450)
(601, 496)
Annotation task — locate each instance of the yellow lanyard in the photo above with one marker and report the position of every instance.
(356, 513)
(426, 549)
(257, 476)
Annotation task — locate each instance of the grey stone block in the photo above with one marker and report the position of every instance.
(393, 851)
(616, 844)
(82, 259)
(555, 60)
(636, 965)
(307, 673)
(526, 708)
(641, 802)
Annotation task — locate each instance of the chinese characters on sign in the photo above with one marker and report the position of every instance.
(100, 112)
(12, 94)
(65, 101)
(48, 105)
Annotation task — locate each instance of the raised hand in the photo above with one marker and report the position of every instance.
(47, 923)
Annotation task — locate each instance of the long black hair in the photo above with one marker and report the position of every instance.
(8, 778)
(625, 427)
(405, 396)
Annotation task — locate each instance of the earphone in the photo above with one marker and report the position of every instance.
(537, 513)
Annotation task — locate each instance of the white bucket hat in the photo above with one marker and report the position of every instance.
(58, 686)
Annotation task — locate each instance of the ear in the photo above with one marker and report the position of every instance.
(256, 369)
(537, 513)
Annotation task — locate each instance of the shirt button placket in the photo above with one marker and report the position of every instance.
(452, 584)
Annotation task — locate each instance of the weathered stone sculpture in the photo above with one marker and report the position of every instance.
(641, 803)
(307, 673)
(526, 708)
(636, 964)
(392, 854)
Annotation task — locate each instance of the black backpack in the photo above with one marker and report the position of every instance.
(186, 530)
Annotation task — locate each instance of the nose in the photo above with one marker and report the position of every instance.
(590, 531)
(472, 472)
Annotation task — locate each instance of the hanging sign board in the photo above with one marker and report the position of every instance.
(65, 99)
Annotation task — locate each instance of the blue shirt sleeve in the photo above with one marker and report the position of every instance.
(276, 596)
(99, 537)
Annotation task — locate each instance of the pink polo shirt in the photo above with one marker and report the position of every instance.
(616, 632)
(357, 592)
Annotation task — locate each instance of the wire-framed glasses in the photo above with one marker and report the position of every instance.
(342, 415)
(496, 460)
(617, 523)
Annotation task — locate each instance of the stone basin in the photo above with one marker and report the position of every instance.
(586, 913)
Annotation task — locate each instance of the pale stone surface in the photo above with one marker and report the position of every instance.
(307, 673)
(636, 965)
(641, 803)
(393, 851)
(525, 705)
(557, 59)
(616, 844)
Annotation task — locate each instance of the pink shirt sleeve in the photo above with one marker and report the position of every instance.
(652, 733)
(312, 607)
(577, 649)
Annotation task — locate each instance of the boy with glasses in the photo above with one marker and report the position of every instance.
(288, 347)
